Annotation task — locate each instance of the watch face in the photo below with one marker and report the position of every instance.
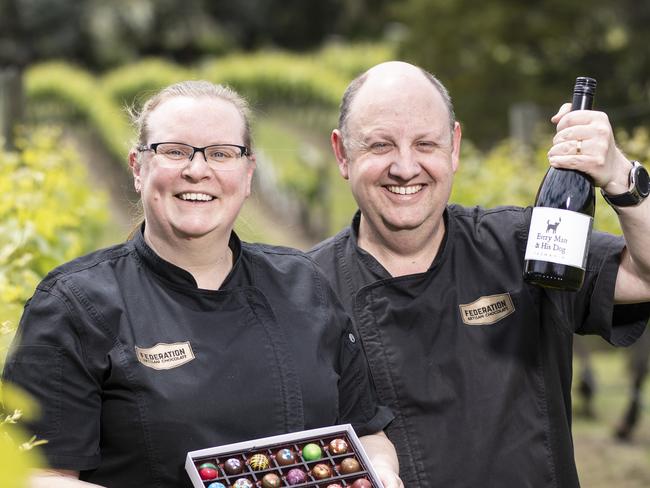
(642, 181)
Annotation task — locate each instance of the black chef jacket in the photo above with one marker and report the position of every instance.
(134, 366)
(474, 362)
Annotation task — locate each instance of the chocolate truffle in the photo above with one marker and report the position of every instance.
(233, 466)
(216, 484)
(208, 465)
(271, 480)
(258, 462)
(311, 452)
(296, 476)
(349, 465)
(321, 471)
(361, 483)
(243, 483)
(338, 446)
(207, 473)
(284, 457)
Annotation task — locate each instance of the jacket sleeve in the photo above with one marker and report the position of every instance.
(48, 361)
(592, 309)
(358, 402)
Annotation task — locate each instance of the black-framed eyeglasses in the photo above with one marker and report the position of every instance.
(216, 154)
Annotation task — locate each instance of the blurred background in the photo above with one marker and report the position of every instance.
(70, 68)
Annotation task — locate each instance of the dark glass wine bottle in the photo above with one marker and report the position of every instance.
(560, 228)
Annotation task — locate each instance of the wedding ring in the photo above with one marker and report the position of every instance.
(579, 147)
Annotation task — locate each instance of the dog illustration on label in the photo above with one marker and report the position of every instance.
(552, 227)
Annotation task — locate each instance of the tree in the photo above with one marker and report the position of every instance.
(497, 53)
(39, 29)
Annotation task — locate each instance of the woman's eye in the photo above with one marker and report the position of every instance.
(175, 153)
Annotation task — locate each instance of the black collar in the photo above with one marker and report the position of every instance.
(175, 274)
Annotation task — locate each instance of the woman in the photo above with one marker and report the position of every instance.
(184, 337)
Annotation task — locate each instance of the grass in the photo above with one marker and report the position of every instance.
(602, 460)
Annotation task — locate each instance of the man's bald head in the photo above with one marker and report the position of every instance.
(393, 75)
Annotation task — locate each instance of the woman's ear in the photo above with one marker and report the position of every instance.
(252, 164)
(134, 164)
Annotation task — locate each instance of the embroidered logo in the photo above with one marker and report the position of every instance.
(487, 310)
(165, 356)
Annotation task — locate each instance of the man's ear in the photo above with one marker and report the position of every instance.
(134, 164)
(340, 153)
(456, 138)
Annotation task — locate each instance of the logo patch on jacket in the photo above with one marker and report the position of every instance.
(165, 356)
(487, 310)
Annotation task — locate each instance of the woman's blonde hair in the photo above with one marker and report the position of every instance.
(192, 89)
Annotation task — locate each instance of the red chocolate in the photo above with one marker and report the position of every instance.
(361, 483)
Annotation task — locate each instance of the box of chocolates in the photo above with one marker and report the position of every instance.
(330, 457)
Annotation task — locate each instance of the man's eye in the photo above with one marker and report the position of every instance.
(425, 146)
(380, 147)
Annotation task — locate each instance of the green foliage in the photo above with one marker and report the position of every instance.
(49, 214)
(349, 61)
(129, 84)
(17, 454)
(508, 175)
(637, 144)
(305, 90)
(274, 77)
(77, 93)
(306, 87)
(294, 169)
(503, 176)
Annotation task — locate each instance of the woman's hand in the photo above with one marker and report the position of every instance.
(388, 476)
(383, 457)
(58, 478)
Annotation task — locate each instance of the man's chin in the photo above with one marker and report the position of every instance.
(402, 225)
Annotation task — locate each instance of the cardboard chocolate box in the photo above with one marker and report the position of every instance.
(330, 457)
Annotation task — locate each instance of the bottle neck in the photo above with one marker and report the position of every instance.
(582, 101)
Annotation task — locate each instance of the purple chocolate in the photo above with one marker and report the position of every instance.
(296, 476)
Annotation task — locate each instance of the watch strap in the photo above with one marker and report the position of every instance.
(635, 193)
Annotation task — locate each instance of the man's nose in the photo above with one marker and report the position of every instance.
(406, 165)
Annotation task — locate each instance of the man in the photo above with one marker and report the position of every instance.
(474, 362)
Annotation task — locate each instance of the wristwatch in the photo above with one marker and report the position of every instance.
(638, 191)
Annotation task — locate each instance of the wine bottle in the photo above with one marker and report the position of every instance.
(562, 218)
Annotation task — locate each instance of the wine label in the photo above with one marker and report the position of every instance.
(559, 236)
